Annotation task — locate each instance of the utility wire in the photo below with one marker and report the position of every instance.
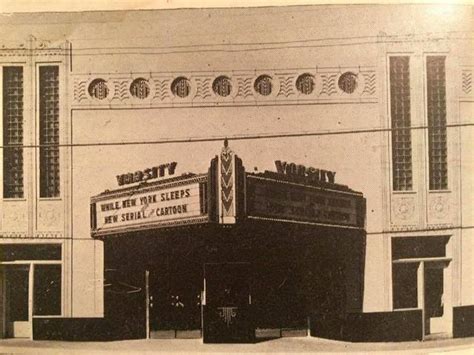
(238, 137)
(257, 47)
(307, 40)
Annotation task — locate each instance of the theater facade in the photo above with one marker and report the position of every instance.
(116, 218)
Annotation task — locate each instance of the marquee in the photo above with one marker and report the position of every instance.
(177, 202)
(276, 199)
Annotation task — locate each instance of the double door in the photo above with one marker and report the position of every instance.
(174, 301)
(179, 302)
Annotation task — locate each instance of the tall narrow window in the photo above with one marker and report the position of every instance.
(437, 143)
(49, 130)
(13, 132)
(400, 116)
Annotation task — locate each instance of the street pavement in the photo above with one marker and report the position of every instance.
(274, 346)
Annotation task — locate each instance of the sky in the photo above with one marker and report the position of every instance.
(7, 6)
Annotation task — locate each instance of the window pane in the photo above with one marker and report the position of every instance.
(49, 131)
(13, 132)
(437, 142)
(405, 288)
(400, 117)
(47, 290)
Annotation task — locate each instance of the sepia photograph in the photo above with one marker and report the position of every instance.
(236, 177)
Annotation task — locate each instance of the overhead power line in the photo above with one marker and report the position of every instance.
(257, 47)
(228, 44)
(237, 137)
(111, 51)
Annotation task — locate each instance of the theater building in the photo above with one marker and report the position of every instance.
(111, 194)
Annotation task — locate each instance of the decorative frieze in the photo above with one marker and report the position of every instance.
(161, 89)
(328, 84)
(48, 235)
(267, 87)
(370, 86)
(244, 87)
(25, 235)
(33, 46)
(13, 235)
(203, 90)
(287, 86)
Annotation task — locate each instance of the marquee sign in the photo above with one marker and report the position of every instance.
(226, 195)
(165, 204)
(283, 200)
(149, 173)
(312, 174)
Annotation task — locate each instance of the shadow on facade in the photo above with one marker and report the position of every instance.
(296, 271)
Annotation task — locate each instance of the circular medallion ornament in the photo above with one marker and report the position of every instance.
(347, 82)
(403, 208)
(305, 84)
(263, 85)
(222, 86)
(98, 89)
(439, 207)
(181, 87)
(140, 88)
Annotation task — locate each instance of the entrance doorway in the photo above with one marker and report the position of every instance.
(437, 305)
(421, 276)
(226, 314)
(426, 285)
(17, 300)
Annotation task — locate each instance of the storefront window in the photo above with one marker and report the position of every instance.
(17, 293)
(47, 290)
(12, 252)
(419, 247)
(405, 288)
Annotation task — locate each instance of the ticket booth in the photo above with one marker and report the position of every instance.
(227, 314)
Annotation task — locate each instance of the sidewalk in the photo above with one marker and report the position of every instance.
(274, 346)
